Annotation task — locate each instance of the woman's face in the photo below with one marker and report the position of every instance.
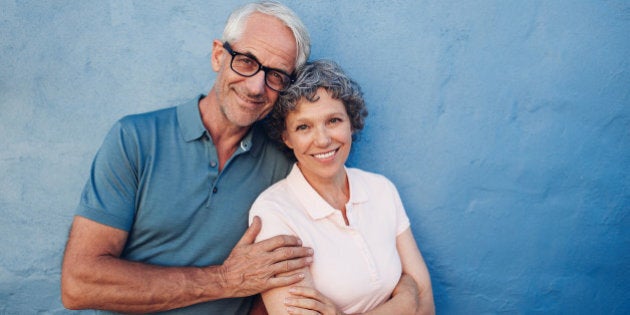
(320, 135)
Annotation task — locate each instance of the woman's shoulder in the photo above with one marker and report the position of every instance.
(275, 197)
(356, 174)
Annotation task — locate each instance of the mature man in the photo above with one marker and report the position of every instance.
(162, 221)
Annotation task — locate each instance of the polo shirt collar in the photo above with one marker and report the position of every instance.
(247, 141)
(254, 139)
(192, 128)
(316, 207)
(189, 120)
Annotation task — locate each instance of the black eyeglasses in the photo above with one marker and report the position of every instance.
(248, 66)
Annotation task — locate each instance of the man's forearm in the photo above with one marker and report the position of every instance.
(118, 285)
(93, 276)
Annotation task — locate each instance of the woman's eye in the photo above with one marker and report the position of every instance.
(301, 127)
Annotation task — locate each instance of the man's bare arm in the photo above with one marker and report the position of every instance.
(94, 277)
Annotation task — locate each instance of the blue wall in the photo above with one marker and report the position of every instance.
(504, 124)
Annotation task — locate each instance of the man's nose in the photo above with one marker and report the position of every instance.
(256, 83)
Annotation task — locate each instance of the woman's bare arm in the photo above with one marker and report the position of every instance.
(413, 264)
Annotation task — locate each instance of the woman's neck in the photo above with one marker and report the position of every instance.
(335, 191)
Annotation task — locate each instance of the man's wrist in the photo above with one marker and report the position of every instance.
(213, 283)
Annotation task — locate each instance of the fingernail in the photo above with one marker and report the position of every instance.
(292, 289)
(309, 259)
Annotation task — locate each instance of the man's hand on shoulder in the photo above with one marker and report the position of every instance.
(252, 268)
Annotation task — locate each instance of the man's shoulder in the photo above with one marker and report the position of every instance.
(162, 119)
(161, 114)
(149, 117)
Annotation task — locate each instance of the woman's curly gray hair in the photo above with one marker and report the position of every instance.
(312, 76)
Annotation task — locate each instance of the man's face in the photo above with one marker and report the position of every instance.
(244, 100)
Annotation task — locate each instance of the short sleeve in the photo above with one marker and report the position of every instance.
(402, 221)
(110, 192)
(274, 222)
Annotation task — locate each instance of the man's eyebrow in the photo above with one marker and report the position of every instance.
(250, 55)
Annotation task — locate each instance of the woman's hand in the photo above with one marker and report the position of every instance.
(306, 301)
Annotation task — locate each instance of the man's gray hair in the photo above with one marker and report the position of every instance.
(236, 24)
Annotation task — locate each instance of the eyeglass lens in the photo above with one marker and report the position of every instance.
(247, 66)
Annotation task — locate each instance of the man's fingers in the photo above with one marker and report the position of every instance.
(285, 280)
(286, 253)
(284, 267)
(279, 241)
(250, 234)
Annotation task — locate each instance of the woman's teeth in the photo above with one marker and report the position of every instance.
(325, 155)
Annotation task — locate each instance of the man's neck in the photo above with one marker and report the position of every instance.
(225, 135)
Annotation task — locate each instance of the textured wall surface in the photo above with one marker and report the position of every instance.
(504, 124)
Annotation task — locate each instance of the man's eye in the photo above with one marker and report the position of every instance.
(277, 77)
(243, 61)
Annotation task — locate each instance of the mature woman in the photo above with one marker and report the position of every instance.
(354, 220)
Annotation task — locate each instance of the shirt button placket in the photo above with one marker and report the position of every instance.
(213, 164)
(366, 254)
(213, 172)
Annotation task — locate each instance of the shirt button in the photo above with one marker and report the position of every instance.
(214, 190)
(213, 164)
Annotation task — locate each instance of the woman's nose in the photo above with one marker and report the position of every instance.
(322, 137)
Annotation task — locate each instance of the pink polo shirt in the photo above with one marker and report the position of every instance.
(357, 266)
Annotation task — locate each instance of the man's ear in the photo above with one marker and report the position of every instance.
(218, 53)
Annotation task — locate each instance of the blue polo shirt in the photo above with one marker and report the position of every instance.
(156, 176)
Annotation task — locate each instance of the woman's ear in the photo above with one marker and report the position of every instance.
(285, 140)
(217, 55)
